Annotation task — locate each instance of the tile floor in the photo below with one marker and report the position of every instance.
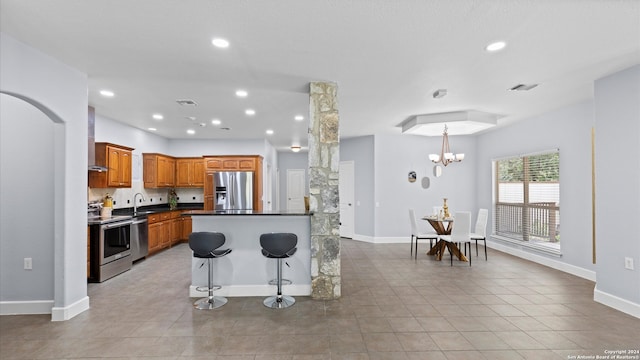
(392, 308)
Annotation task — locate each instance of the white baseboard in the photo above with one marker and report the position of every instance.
(68, 312)
(552, 263)
(253, 290)
(617, 303)
(382, 240)
(26, 307)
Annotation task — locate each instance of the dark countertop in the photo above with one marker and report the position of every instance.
(247, 212)
(152, 209)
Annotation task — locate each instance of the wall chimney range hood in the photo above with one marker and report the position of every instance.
(91, 154)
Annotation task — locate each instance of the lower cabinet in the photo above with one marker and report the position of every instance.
(167, 229)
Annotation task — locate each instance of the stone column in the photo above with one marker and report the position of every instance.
(324, 160)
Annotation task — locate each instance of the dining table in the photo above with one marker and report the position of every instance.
(443, 226)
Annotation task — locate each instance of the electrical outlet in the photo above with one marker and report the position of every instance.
(28, 263)
(628, 263)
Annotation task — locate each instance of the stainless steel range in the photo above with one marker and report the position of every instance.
(110, 247)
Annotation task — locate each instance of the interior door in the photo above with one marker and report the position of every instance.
(295, 189)
(347, 199)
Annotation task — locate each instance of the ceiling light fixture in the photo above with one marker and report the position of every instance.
(250, 112)
(446, 157)
(152, 129)
(220, 43)
(458, 122)
(523, 87)
(299, 118)
(269, 132)
(496, 46)
(107, 93)
(295, 148)
(241, 93)
(191, 131)
(216, 122)
(158, 116)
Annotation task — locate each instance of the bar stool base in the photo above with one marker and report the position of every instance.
(209, 303)
(273, 303)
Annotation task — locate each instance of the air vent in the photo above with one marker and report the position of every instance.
(192, 118)
(186, 102)
(225, 128)
(523, 87)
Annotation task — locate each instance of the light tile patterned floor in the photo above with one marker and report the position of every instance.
(392, 308)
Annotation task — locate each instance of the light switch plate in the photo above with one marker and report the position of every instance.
(628, 263)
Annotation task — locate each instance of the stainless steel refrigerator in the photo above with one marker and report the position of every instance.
(234, 190)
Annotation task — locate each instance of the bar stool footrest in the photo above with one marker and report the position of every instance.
(206, 289)
(284, 282)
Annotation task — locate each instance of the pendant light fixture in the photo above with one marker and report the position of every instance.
(446, 157)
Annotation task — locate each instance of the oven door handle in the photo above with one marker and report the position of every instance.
(118, 224)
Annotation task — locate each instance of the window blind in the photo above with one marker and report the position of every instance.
(527, 202)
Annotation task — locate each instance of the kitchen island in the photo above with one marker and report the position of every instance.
(245, 271)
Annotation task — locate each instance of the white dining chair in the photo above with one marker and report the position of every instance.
(480, 231)
(415, 234)
(461, 232)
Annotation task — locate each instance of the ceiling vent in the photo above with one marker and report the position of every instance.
(186, 102)
(523, 87)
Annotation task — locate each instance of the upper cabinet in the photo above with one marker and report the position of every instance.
(232, 163)
(158, 171)
(190, 172)
(213, 164)
(117, 159)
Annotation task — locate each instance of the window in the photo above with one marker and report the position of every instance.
(527, 198)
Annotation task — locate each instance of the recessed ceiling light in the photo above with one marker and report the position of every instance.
(498, 45)
(191, 131)
(152, 129)
(250, 112)
(269, 132)
(107, 93)
(216, 122)
(221, 43)
(241, 93)
(299, 117)
(158, 116)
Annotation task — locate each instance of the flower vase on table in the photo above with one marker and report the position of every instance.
(445, 208)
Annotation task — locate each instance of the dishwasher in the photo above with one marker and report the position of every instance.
(139, 238)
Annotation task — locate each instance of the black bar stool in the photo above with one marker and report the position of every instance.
(205, 245)
(279, 246)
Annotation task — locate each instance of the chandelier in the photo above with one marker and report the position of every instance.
(446, 157)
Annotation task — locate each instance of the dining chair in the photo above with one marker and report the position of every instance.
(415, 234)
(480, 231)
(460, 234)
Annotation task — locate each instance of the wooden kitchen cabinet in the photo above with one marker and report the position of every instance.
(176, 227)
(158, 170)
(214, 164)
(117, 159)
(186, 227)
(189, 172)
(232, 163)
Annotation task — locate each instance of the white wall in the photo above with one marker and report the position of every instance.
(617, 117)
(395, 156)
(567, 129)
(26, 193)
(60, 92)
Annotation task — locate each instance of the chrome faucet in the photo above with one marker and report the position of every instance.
(135, 203)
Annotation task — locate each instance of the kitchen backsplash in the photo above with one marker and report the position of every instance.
(123, 197)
